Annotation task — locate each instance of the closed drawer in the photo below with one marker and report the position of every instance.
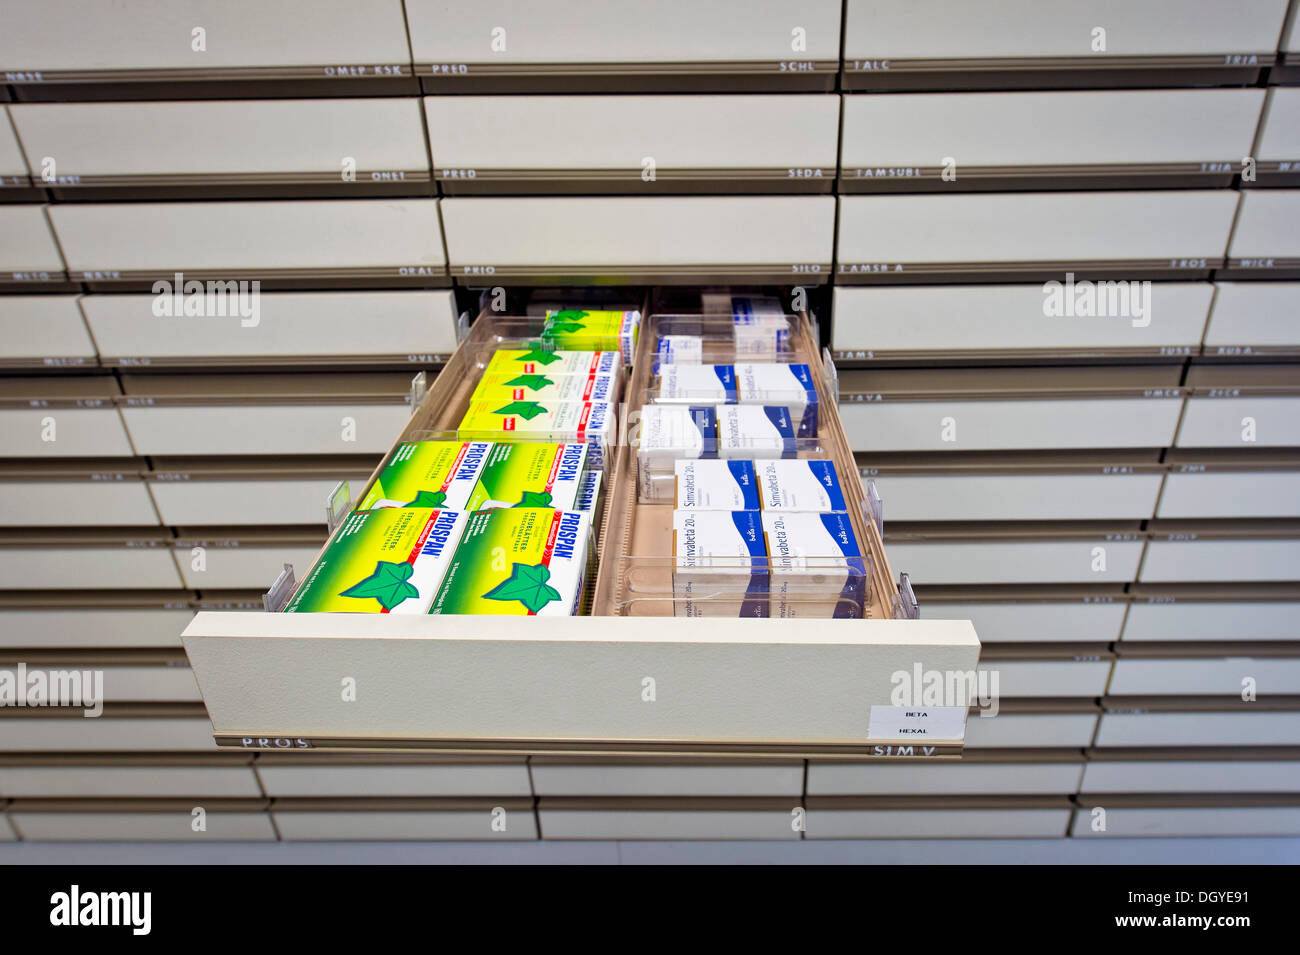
(1214, 613)
(50, 624)
(669, 818)
(1258, 728)
(1027, 236)
(280, 143)
(36, 823)
(1019, 497)
(966, 776)
(107, 781)
(1022, 43)
(295, 777)
(647, 144)
(284, 328)
(1278, 150)
(1017, 561)
(61, 418)
(125, 683)
(1158, 138)
(641, 240)
(264, 414)
(1253, 318)
(86, 503)
(43, 331)
(81, 561)
(29, 258)
(1190, 776)
(831, 818)
(1246, 559)
(248, 502)
(64, 41)
(1152, 818)
(1083, 619)
(1206, 676)
(1264, 243)
(553, 777)
(13, 165)
(1018, 321)
(1015, 730)
(106, 734)
(376, 241)
(408, 819)
(1239, 494)
(1054, 678)
(717, 44)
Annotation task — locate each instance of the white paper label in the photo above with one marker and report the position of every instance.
(917, 722)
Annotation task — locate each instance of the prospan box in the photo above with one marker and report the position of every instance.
(428, 474)
(530, 474)
(384, 561)
(524, 561)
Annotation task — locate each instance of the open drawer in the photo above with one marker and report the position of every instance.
(616, 681)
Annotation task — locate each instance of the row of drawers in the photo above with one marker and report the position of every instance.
(511, 144)
(1095, 615)
(1016, 671)
(1019, 724)
(903, 323)
(692, 818)
(936, 489)
(981, 773)
(655, 240)
(1135, 407)
(498, 42)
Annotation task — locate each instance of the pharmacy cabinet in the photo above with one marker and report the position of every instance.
(45, 332)
(338, 328)
(406, 819)
(29, 258)
(504, 47)
(647, 144)
(1277, 154)
(1083, 614)
(282, 244)
(180, 415)
(1150, 139)
(335, 775)
(1010, 409)
(938, 44)
(58, 417)
(15, 180)
(1198, 721)
(937, 817)
(1034, 236)
(141, 820)
(669, 240)
(1052, 670)
(1222, 551)
(987, 322)
(1045, 772)
(220, 775)
(290, 147)
(1237, 483)
(242, 558)
(1214, 612)
(86, 559)
(670, 817)
(1034, 553)
(1033, 724)
(1137, 816)
(1173, 770)
(139, 727)
(1169, 669)
(1241, 406)
(215, 492)
(89, 492)
(94, 619)
(628, 777)
(1015, 486)
(1253, 319)
(66, 50)
(1264, 241)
